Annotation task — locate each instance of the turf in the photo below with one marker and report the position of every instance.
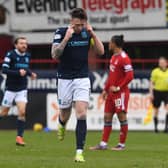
(43, 150)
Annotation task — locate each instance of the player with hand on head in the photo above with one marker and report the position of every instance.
(116, 93)
(16, 67)
(71, 45)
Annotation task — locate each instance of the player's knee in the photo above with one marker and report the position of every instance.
(107, 118)
(81, 115)
(22, 112)
(4, 111)
(122, 116)
(166, 106)
(155, 112)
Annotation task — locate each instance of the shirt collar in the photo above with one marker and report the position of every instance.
(116, 54)
(19, 53)
(164, 70)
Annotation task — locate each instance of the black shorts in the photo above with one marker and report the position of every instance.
(160, 96)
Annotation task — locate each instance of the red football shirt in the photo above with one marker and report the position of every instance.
(121, 71)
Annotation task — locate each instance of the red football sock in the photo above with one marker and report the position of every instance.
(106, 131)
(123, 132)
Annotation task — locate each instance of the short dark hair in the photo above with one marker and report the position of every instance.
(162, 57)
(118, 40)
(18, 38)
(78, 13)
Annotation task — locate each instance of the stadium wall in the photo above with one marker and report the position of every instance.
(43, 106)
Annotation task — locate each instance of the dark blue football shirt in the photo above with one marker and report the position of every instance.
(74, 60)
(13, 62)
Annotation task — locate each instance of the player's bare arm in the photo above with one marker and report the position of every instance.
(58, 49)
(98, 45)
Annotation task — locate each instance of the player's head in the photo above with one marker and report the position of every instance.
(21, 44)
(116, 41)
(162, 62)
(78, 19)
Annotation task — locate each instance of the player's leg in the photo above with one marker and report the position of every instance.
(81, 128)
(155, 118)
(20, 122)
(65, 91)
(166, 107)
(122, 116)
(81, 98)
(4, 111)
(6, 103)
(62, 120)
(21, 102)
(108, 115)
(156, 104)
(121, 104)
(105, 133)
(166, 119)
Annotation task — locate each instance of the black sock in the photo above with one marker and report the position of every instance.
(166, 122)
(155, 122)
(81, 130)
(20, 127)
(61, 122)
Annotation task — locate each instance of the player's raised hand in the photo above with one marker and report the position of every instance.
(69, 32)
(22, 72)
(33, 76)
(89, 29)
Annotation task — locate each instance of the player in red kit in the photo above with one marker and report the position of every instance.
(116, 94)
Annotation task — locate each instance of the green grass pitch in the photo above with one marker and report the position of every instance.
(43, 150)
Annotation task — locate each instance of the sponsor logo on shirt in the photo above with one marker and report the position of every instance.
(78, 43)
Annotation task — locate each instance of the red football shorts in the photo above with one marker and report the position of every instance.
(117, 102)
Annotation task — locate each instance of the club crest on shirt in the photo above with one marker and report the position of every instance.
(84, 34)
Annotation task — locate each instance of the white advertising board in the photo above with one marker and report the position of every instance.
(27, 15)
(140, 116)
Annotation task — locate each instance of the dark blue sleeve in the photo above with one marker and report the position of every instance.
(58, 36)
(6, 69)
(29, 72)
